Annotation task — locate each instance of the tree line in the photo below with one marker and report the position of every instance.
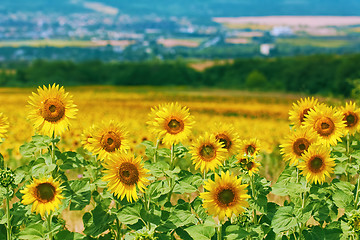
(316, 74)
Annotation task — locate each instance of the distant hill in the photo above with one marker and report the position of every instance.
(196, 8)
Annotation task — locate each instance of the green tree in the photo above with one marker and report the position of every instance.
(256, 80)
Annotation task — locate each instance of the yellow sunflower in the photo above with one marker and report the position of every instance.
(327, 123)
(86, 135)
(317, 163)
(351, 116)
(296, 144)
(51, 109)
(250, 147)
(251, 166)
(227, 136)
(108, 138)
(226, 196)
(44, 194)
(4, 125)
(299, 111)
(207, 153)
(123, 173)
(172, 122)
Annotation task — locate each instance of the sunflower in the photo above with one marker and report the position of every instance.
(226, 135)
(296, 144)
(172, 122)
(251, 166)
(351, 116)
(44, 194)
(250, 147)
(327, 123)
(4, 125)
(207, 153)
(317, 163)
(108, 138)
(51, 109)
(300, 110)
(123, 173)
(85, 138)
(226, 196)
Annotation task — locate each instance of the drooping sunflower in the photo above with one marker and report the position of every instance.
(4, 125)
(227, 136)
(226, 196)
(44, 195)
(51, 109)
(172, 122)
(317, 163)
(207, 153)
(250, 147)
(327, 123)
(351, 116)
(299, 111)
(107, 139)
(249, 165)
(296, 144)
(124, 173)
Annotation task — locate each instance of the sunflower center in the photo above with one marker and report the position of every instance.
(110, 141)
(351, 119)
(207, 152)
(128, 173)
(250, 150)
(316, 164)
(53, 110)
(302, 115)
(225, 140)
(175, 126)
(300, 146)
(225, 197)
(324, 126)
(45, 192)
(249, 165)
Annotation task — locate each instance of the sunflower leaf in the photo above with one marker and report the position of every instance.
(78, 191)
(201, 232)
(34, 231)
(129, 214)
(284, 219)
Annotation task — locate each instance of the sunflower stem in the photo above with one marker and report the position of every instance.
(254, 197)
(118, 230)
(219, 232)
(156, 148)
(348, 153)
(8, 219)
(48, 218)
(356, 202)
(53, 149)
(297, 175)
(171, 182)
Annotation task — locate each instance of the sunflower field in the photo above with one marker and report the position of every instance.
(147, 166)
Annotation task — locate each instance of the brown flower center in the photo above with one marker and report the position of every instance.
(225, 197)
(316, 164)
(53, 110)
(324, 126)
(225, 140)
(110, 141)
(128, 173)
(303, 114)
(250, 165)
(207, 152)
(250, 149)
(300, 146)
(351, 119)
(174, 126)
(45, 192)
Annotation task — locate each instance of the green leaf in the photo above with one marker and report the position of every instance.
(129, 214)
(34, 231)
(196, 204)
(284, 219)
(201, 232)
(65, 234)
(71, 160)
(2, 164)
(183, 187)
(97, 222)
(234, 232)
(332, 231)
(314, 233)
(78, 191)
(177, 219)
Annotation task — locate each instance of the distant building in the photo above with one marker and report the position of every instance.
(279, 31)
(266, 48)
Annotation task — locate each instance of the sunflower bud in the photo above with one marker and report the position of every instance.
(354, 221)
(7, 177)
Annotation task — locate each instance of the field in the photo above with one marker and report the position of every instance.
(329, 43)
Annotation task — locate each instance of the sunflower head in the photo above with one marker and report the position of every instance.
(51, 109)
(225, 196)
(296, 144)
(226, 135)
(300, 111)
(4, 125)
(207, 153)
(86, 135)
(172, 122)
(351, 116)
(250, 147)
(44, 195)
(107, 139)
(327, 123)
(124, 173)
(317, 163)
(249, 165)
